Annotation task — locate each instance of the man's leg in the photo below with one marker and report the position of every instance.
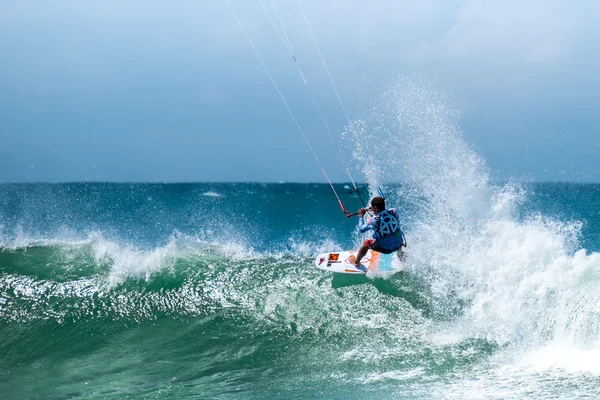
(361, 253)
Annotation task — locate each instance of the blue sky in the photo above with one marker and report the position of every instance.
(172, 91)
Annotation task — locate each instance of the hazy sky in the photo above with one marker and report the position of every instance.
(172, 91)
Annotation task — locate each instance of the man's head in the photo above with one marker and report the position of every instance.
(378, 204)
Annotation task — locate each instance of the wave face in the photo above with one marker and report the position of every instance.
(208, 290)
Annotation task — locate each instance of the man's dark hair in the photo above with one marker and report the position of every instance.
(378, 202)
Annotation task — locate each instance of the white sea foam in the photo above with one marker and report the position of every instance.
(21, 240)
(212, 194)
(309, 249)
(520, 282)
(396, 375)
(565, 356)
(126, 261)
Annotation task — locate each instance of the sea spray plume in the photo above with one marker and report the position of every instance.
(514, 281)
(412, 137)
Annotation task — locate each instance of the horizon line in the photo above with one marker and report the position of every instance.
(66, 182)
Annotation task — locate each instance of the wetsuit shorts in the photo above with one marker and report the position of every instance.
(373, 245)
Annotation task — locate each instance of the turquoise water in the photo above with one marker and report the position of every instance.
(208, 290)
(114, 291)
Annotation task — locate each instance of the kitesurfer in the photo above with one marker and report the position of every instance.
(385, 224)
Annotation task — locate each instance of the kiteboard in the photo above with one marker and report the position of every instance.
(342, 262)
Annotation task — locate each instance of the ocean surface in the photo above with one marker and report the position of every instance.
(208, 290)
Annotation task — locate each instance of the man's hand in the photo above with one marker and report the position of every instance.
(362, 212)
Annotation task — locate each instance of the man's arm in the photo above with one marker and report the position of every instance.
(363, 226)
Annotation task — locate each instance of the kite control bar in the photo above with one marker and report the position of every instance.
(355, 190)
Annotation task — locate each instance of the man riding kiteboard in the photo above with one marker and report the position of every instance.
(385, 224)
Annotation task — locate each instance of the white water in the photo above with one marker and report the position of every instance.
(524, 284)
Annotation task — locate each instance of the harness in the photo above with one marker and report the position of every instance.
(388, 224)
